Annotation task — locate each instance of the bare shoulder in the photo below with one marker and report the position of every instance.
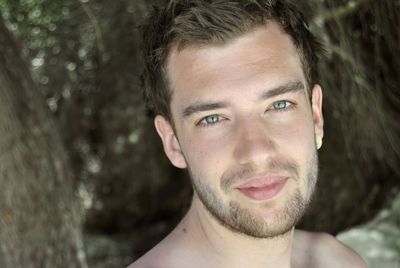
(338, 253)
(324, 250)
(156, 258)
(167, 254)
(144, 262)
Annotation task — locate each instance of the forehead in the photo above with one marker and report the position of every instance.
(267, 53)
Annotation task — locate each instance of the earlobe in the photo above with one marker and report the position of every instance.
(317, 114)
(170, 142)
(318, 142)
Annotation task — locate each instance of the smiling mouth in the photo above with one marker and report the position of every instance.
(263, 189)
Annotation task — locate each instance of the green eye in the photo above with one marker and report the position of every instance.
(280, 105)
(212, 119)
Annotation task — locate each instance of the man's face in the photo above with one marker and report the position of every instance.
(245, 129)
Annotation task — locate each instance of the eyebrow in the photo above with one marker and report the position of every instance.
(201, 107)
(207, 106)
(283, 89)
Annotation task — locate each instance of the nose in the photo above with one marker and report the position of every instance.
(254, 143)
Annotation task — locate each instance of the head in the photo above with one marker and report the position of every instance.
(188, 23)
(233, 87)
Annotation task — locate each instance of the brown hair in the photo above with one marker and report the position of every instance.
(206, 22)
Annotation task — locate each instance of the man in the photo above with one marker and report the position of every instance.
(233, 86)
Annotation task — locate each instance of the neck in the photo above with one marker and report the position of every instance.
(221, 247)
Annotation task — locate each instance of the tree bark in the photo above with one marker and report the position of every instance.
(39, 211)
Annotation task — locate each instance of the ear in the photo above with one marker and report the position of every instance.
(318, 118)
(171, 144)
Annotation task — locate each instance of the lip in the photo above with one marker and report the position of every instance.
(263, 187)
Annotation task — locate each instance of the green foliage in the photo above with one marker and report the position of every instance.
(35, 18)
(57, 41)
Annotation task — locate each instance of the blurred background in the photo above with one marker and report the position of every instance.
(83, 178)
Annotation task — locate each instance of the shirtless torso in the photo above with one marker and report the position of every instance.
(180, 249)
(310, 250)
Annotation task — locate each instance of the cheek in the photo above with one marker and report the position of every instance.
(297, 142)
(206, 157)
(297, 129)
(208, 147)
(298, 137)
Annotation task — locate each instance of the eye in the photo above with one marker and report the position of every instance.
(210, 120)
(281, 105)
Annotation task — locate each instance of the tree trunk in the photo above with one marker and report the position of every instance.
(39, 211)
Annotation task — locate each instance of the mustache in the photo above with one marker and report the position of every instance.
(274, 166)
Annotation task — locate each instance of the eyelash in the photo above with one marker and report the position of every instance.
(205, 124)
(289, 105)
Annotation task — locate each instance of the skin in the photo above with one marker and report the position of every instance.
(244, 130)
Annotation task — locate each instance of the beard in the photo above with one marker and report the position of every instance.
(240, 219)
